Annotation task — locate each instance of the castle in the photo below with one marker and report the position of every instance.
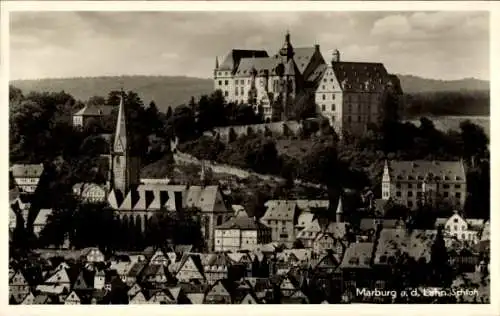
(351, 95)
(136, 203)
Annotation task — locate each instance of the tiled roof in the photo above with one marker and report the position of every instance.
(392, 241)
(234, 57)
(412, 170)
(41, 218)
(280, 210)
(317, 74)
(219, 260)
(302, 57)
(358, 255)
(361, 77)
(94, 110)
(27, 171)
(309, 205)
(242, 223)
(263, 65)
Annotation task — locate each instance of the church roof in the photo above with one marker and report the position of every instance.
(121, 127)
(303, 56)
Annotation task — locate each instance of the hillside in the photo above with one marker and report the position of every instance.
(172, 91)
(165, 91)
(414, 84)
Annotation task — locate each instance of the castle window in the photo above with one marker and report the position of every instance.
(331, 80)
(226, 82)
(350, 108)
(333, 107)
(349, 119)
(457, 186)
(445, 194)
(410, 204)
(398, 193)
(333, 96)
(359, 118)
(410, 193)
(226, 93)
(333, 118)
(324, 97)
(410, 186)
(458, 195)
(323, 107)
(220, 82)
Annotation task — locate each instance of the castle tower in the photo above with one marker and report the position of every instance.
(124, 166)
(288, 75)
(336, 56)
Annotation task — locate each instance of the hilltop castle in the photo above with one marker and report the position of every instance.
(349, 94)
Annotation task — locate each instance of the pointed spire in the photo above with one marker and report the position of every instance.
(216, 62)
(120, 144)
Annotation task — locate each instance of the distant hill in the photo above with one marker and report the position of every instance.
(165, 91)
(172, 91)
(414, 84)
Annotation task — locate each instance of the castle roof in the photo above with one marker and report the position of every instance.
(422, 169)
(233, 58)
(303, 56)
(361, 76)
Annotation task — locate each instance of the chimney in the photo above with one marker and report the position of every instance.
(316, 48)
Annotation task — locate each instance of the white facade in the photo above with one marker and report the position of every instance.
(77, 120)
(461, 229)
(329, 99)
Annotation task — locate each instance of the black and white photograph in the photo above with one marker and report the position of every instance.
(248, 157)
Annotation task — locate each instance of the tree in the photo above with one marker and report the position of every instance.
(183, 123)
(475, 141)
(169, 113)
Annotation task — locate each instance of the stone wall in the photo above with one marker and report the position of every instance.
(276, 128)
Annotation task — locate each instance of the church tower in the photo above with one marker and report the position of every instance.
(124, 166)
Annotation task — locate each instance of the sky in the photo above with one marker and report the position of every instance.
(441, 45)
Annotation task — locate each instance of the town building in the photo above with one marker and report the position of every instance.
(430, 182)
(89, 113)
(241, 233)
(27, 177)
(464, 230)
(90, 192)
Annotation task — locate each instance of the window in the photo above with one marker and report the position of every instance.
(419, 194)
(410, 186)
(333, 118)
(398, 185)
(350, 108)
(410, 204)
(333, 96)
(324, 96)
(220, 82)
(324, 87)
(410, 193)
(283, 222)
(226, 82)
(463, 227)
(445, 194)
(458, 195)
(236, 92)
(226, 93)
(446, 186)
(458, 186)
(323, 107)
(398, 193)
(455, 220)
(359, 118)
(349, 119)
(455, 227)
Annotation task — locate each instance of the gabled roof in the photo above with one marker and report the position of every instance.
(94, 110)
(26, 171)
(358, 255)
(242, 223)
(196, 298)
(302, 57)
(412, 170)
(263, 65)
(280, 210)
(41, 218)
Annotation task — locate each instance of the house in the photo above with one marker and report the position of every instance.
(160, 297)
(464, 260)
(190, 269)
(138, 298)
(84, 281)
(464, 230)
(90, 192)
(325, 242)
(241, 233)
(352, 94)
(217, 267)
(27, 177)
(422, 181)
(92, 255)
(41, 221)
(135, 272)
(485, 233)
(281, 216)
(298, 297)
(73, 299)
(196, 298)
(249, 298)
(28, 299)
(219, 293)
(155, 274)
(99, 279)
(91, 112)
(159, 257)
(18, 287)
(43, 299)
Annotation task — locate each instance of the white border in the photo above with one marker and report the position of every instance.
(414, 309)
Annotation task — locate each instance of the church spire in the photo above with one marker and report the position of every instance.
(216, 62)
(120, 144)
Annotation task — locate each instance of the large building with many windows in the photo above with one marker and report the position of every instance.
(430, 182)
(351, 95)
